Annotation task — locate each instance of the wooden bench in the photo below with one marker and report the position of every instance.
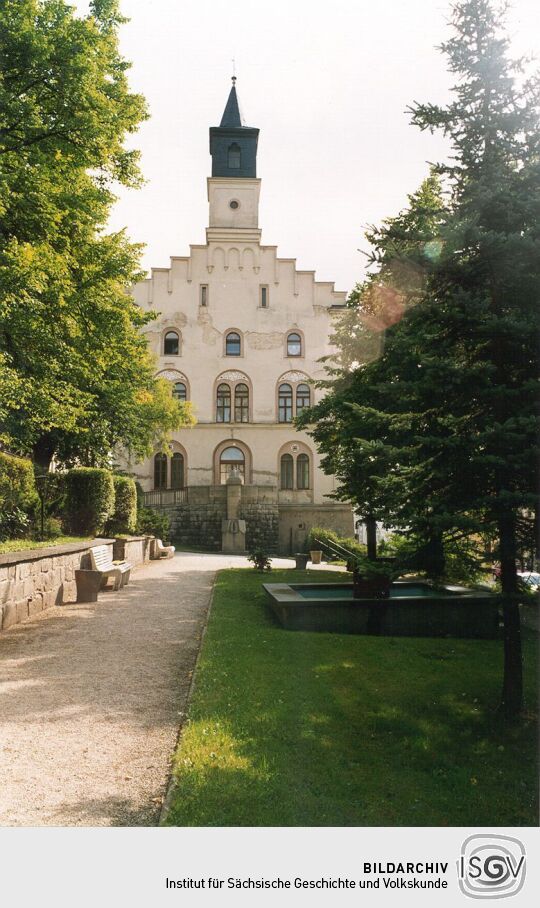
(162, 551)
(101, 562)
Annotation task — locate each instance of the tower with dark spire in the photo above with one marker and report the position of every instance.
(233, 145)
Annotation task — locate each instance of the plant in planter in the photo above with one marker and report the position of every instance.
(372, 578)
(260, 560)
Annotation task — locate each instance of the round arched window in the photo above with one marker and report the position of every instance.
(286, 470)
(241, 403)
(160, 471)
(285, 400)
(179, 391)
(303, 398)
(177, 471)
(171, 344)
(294, 344)
(302, 471)
(223, 403)
(231, 459)
(233, 344)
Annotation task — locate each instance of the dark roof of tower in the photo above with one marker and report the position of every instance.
(231, 114)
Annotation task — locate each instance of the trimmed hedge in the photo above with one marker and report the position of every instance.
(124, 517)
(89, 500)
(17, 484)
(152, 523)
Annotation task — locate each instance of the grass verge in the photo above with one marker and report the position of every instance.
(20, 545)
(307, 729)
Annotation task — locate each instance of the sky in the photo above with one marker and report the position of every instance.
(328, 85)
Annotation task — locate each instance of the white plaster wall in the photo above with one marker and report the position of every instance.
(234, 265)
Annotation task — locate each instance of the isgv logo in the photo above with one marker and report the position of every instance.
(491, 866)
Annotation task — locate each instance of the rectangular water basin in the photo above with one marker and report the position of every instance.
(412, 610)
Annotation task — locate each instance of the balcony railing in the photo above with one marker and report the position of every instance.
(158, 498)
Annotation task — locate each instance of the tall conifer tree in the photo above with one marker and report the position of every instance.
(455, 391)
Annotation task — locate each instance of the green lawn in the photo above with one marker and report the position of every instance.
(305, 729)
(20, 545)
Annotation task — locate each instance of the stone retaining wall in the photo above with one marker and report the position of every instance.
(259, 508)
(135, 549)
(197, 522)
(36, 579)
(272, 524)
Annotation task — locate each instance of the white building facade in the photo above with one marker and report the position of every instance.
(240, 333)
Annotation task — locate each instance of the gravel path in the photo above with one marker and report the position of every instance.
(91, 698)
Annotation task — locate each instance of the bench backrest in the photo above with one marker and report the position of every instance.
(101, 556)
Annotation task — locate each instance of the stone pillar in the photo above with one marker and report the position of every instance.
(233, 530)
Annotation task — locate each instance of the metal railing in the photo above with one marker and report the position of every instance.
(336, 550)
(159, 498)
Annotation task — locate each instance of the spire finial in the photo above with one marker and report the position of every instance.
(233, 78)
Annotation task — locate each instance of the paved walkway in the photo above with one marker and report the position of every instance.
(91, 698)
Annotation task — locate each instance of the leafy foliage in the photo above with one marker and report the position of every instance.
(17, 485)
(76, 376)
(124, 516)
(261, 560)
(14, 522)
(90, 500)
(153, 523)
(437, 430)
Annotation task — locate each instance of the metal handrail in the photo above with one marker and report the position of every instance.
(336, 548)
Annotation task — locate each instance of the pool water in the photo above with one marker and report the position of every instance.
(333, 591)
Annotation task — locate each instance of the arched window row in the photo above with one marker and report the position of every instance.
(233, 401)
(294, 468)
(233, 344)
(294, 472)
(169, 472)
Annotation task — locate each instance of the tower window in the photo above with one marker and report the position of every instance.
(233, 346)
(234, 157)
(294, 345)
(171, 344)
(234, 204)
(204, 295)
(264, 297)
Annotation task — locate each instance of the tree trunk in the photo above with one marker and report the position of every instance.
(371, 537)
(434, 561)
(512, 691)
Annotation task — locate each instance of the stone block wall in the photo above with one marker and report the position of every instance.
(259, 508)
(135, 549)
(197, 522)
(271, 524)
(36, 579)
(197, 525)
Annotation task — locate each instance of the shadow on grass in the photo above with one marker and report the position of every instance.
(292, 728)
